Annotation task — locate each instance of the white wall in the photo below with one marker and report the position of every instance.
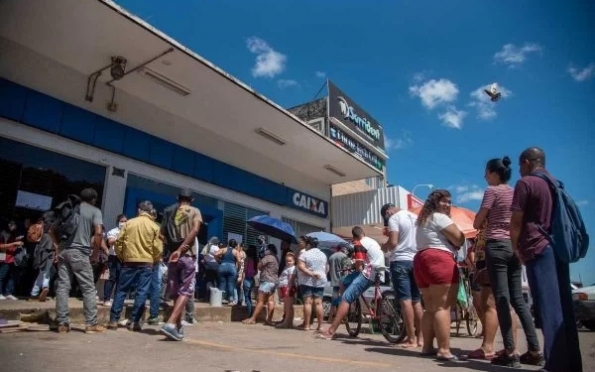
(114, 191)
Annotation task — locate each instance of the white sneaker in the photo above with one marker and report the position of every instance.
(2, 298)
(11, 298)
(107, 303)
(186, 323)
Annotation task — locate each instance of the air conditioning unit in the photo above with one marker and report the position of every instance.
(318, 124)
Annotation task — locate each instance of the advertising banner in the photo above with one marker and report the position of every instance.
(352, 145)
(342, 108)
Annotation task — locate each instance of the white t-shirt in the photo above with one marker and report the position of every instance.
(285, 275)
(430, 235)
(113, 233)
(210, 256)
(403, 223)
(315, 261)
(374, 258)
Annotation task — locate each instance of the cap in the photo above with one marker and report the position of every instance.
(186, 193)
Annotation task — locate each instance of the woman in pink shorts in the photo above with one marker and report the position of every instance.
(436, 272)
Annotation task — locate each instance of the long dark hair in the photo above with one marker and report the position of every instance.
(431, 205)
(501, 167)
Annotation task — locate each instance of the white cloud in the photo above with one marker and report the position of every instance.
(466, 193)
(435, 92)
(486, 109)
(452, 117)
(321, 74)
(513, 56)
(287, 83)
(401, 142)
(584, 74)
(269, 62)
(582, 203)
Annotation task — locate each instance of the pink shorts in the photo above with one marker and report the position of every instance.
(435, 267)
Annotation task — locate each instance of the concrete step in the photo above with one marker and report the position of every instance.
(44, 312)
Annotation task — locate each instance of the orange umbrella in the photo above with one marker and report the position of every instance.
(462, 217)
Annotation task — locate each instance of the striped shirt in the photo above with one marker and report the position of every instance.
(498, 200)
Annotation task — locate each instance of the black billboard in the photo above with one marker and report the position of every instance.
(342, 108)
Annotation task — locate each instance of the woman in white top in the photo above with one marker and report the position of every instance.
(211, 263)
(113, 263)
(313, 265)
(436, 272)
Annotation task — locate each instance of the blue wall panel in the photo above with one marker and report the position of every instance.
(161, 153)
(204, 167)
(38, 110)
(183, 160)
(12, 100)
(109, 135)
(78, 124)
(136, 144)
(43, 112)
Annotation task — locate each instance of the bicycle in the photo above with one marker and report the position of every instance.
(469, 314)
(385, 312)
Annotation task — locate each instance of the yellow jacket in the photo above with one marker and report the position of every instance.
(139, 240)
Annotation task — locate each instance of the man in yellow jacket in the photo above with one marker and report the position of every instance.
(138, 247)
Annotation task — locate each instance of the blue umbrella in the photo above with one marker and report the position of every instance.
(274, 227)
(327, 239)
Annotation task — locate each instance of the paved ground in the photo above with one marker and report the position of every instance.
(218, 347)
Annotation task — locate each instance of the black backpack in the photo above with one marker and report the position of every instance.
(66, 217)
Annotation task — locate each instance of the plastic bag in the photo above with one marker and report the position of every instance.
(462, 295)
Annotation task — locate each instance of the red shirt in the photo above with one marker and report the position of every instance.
(533, 197)
(9, 251)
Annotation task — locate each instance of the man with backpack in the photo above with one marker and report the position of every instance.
(181, 224)
(547, 234)
(77, 231)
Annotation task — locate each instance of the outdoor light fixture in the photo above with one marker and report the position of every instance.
(118, 68)
(334, 170)
(270, 136)
(164, 81)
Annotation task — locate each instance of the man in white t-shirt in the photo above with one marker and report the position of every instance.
(402, 247)
(369, 262)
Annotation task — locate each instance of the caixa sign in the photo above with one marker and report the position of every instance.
(307, 203)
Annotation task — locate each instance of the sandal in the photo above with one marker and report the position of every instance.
(452, 358)
(324, 336)
(481, 355)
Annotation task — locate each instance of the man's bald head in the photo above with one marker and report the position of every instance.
(531, 159)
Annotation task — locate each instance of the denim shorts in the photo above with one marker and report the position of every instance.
(335, 295)
(356, 284)
(308, 291)
(267, 287)
(403, 281)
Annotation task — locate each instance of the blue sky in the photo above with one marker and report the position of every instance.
(414, 66)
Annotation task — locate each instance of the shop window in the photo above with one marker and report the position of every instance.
(42, 175)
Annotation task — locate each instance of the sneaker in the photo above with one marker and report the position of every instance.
(188, 323)
(505, 360)
(112, 326)
(2, 298)
(153, 321)
(95, 328)
(532, 359)
(135, 327)
(124, 323)
(11, 298)
(107, 303)
(170, 331)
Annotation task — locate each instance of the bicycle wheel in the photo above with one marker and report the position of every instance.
(472, 320)
(353, 320)
(390, 318)
(459, 313)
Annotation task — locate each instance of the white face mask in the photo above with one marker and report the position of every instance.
(121, 225)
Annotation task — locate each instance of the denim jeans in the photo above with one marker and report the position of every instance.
(9, 275)
(114, 266)
(137, 276)
(155, 291)
(73, 262)
(227, 279)
(248, 285)
(549, 280)
(42, 281)
(505, 272)
(401, 273)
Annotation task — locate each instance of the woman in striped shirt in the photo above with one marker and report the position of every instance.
(504, 267)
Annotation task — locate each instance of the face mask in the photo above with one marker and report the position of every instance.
(121, 225)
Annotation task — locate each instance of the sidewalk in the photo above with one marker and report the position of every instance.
(44, 312)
